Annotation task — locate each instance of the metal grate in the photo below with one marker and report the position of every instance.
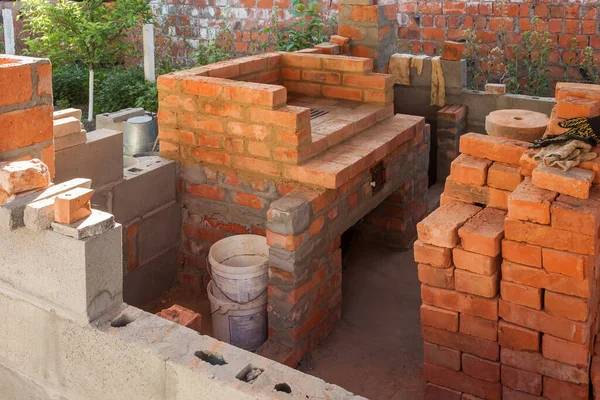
(316, 113)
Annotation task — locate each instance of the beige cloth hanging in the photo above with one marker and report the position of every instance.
(417, 63)
(438, 84)
(566, 155)
(400, 68)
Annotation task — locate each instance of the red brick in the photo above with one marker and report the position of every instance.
(522, 253)
(481, 369)
(23, 128)
(203, 234)
(477, 263)
(460, 341)
(570, 307)
(206, 191)
(15, 83)
(560, 390)
(541, 321)
(453, 51)
(524, 295)
(536, 362)
(440, 228)
(566, 352)
(462, 382)
(479, 327)
(261, 166)
(44, 83)
(435, 392)
(518, 338)
(182, 316)
(570, 264)
(289, 242)
(574, 107)
(470, 170)
(492, 197)
(493, 148)
(484, 232)
(577, 215)
(374, 81)
(439, 318)
(347, 64)
(441, 356)
(539, 278)
(504, 176)
(547, 236)
(460, 302)
(481, 285)
(575, 182)
(432, 255)
(439, 277)
(524, 381)
(256, 94)
(287, 117)
(203, 86)
(342, 93)
(530, 203)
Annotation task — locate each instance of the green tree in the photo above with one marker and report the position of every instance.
(89, 32)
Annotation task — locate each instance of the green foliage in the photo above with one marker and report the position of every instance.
(310, 26)
(471, 56)
(535, 52)
(588, 66)
(219, 45)
(90, 32)
(70, 85)
(122, 88)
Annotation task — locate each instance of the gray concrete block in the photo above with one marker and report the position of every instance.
(40, 214)
(149, 185)
(158, 231)
(148, 281)
(95, 224)
(455, 73)
(12, 213)
(80, 278)
(116, 120)
(290, 215)
(74, 139)
(99, 159)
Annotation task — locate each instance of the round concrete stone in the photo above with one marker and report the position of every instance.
(517, 124)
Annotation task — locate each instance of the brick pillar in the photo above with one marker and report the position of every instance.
(451, 124)
(372, 29)
(26, 110)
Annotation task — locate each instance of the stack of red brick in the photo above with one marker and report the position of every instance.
(509, 284)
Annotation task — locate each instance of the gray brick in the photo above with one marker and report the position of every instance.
(159, 231)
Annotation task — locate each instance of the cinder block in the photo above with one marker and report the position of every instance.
(73, 139)
(117, 120)
(79, 278)
(12, 213)
(158, 231)
(146, 187)
(148, 281)
(99, 159)
(66, 126)
(68, 112)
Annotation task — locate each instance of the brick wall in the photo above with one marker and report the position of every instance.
(26, 110)
(183, 24)
(424, 25)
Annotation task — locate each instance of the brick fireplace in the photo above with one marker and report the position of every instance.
(297, 147)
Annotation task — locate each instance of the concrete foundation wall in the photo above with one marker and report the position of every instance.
(125, 353)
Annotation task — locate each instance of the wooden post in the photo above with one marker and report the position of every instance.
(148, 38)
(9, 31)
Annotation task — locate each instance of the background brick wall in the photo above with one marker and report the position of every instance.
(424, 25)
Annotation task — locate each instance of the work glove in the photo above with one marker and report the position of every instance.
(585, 129)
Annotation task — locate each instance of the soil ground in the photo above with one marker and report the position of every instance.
(376, 350)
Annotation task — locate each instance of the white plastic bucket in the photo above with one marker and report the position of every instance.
(239, 267)
(242, 325)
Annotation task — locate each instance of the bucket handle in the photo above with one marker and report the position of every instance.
(209, 269)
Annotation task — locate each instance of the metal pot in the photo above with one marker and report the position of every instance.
(140, 135)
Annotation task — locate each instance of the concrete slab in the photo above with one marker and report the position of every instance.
(95, 224)
(99, 159)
